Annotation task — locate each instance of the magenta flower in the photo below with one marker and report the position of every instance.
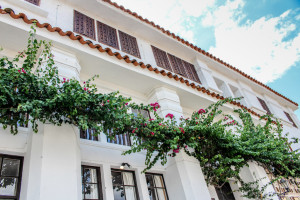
(182, 130)
(201, 111)
(150, 120)
(170, 115)
(84, 89)
(152, 133)
(107, 101)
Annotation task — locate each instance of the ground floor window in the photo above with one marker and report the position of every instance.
(124, 185)
(156, 187)
(10, 177)
(225, 192)
(91, 183)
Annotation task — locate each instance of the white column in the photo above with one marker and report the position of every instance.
(183, 176)
(206, 77)
(107, 182)
(142, 184)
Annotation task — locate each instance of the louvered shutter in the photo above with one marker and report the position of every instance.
(177, 65)
(161, 58)
(35, 2)
(264, 105)
(191, 71)
(107, 35)
(84, 25)
(129, 44)
(290, 118)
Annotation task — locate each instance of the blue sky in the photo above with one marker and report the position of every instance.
(260, 37)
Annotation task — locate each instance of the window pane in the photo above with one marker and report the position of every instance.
(91, 191)
(119, 193)
(149, 179)
(130, 193)
(116, 178)
(152, 194)
(10, 167)
(128, 178)
(90, 175)
(8, 186)
(161, 193)
(158, 181)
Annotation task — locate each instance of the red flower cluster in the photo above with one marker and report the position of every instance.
(176, 150)
(170, 115)
(155, 106)
(232, 122)
(65, 80)
(150, 120)
(201, 111)
(182, 130)
(22, 70)
(152, 133)
(134, 130)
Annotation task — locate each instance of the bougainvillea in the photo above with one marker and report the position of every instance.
(30, 86)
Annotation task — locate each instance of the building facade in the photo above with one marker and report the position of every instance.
(142, 61)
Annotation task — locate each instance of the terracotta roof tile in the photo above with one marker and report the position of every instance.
(72, 36)
(196, 48)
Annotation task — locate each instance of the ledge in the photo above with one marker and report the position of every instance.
(29, 7)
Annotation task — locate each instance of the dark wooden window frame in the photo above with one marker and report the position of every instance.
(17, 197)
(116, 35)
(136, 46)
(155, 174)
(99, 184)
(290, 118)
(93, 37)
(34, 2)
(158, 55)
(264, 105)
(134, 180)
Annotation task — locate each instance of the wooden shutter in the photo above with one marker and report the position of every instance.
(191, 71)
(107, 35)
(161, 58)
(129, 44)
(264, 105)
(84, 25)
(177, 65)
(35, 2)
(289, 118)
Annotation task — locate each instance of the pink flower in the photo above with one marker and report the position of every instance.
(152, 133)
(84, 89)
(145, 124)
(182, 130)
(107, 101)
(126, 104)
(159, 124)
(176, 150)
(170, 115)
(19, 71)
(83, 82)
(197, 122)
(133, 130)
(201, 111)
(155, 106)
(150, 120)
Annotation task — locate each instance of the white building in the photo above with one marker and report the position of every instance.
(142, 61)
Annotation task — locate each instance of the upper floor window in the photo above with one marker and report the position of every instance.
(107, 35)
(264, 105)
(124, 185)
(88, 134)
(175, 64)
(144, 113)
(290, 118)
(10, 177)
(35, 2)
(129, 44)
(156, 187)
(91, 183)
(84, 25)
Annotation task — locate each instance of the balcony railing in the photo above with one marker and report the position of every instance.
(88, 134)
(121, 139)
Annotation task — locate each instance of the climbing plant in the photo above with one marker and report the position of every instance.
(30, 85)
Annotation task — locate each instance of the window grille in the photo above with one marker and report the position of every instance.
(177, 65)
(264, 105)
(35, 2)
(161, 58)
(84, 25)
(129, 44)
(191, 71)
(107, 35)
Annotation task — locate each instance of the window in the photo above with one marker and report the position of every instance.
(91, 183)
(10, 176)
(129, 44)
(264, 105)
(290, 118)
(144, 113)
(107, 35)
(84, 25)
(35, 2)
(175, 64)
(156, 187)
(161, 58)
(122, 139)
(124, 185)
(225, 192)
(89, 134)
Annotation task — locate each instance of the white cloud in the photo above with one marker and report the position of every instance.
(256, 47)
